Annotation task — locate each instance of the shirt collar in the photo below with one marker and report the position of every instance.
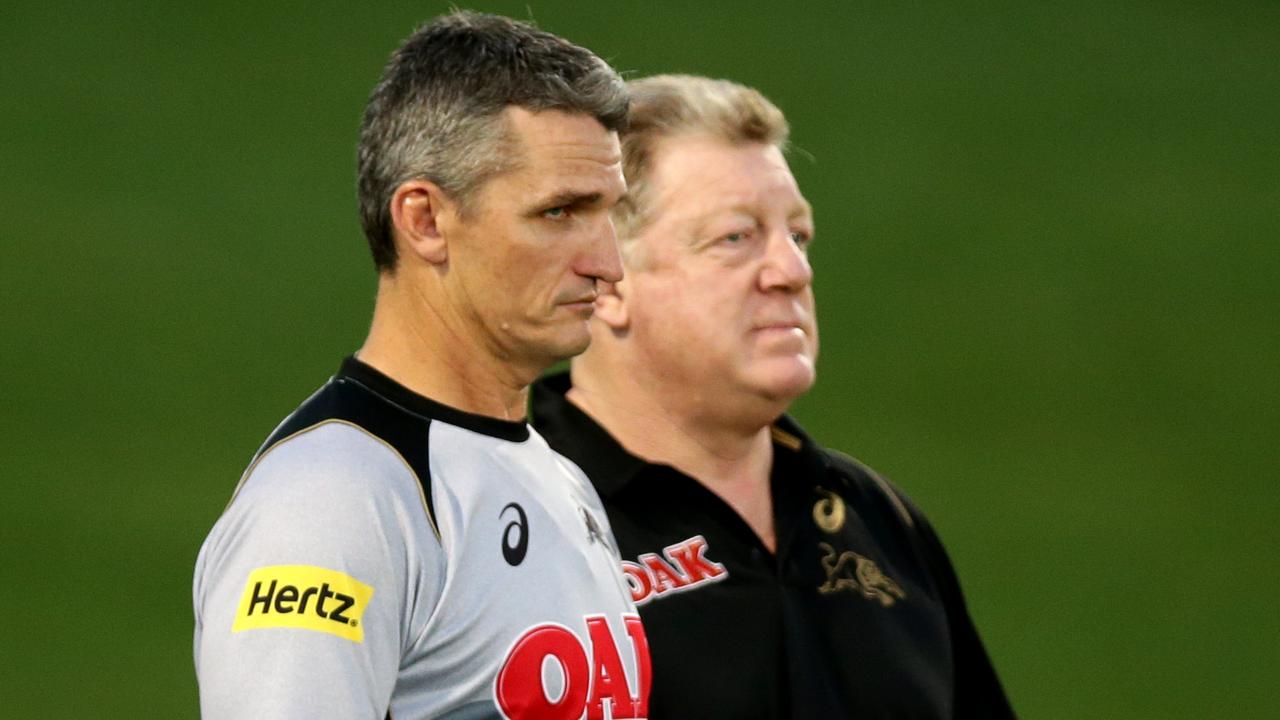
(576, 435)
(393, 392)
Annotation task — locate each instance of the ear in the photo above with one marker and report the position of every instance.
(417, 209)
(611, 304)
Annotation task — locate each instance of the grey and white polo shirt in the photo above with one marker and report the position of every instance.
(388, 556)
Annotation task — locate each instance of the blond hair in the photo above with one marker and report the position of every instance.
(665, 106)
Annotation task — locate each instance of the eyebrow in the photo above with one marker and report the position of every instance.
(804, 209)
(572, 198)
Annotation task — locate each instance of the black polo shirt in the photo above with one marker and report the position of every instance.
(858, 615)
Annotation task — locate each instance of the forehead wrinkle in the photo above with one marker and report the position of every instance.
(573, 147)
(743, 186)
(747, 205)
(576, 153)
(749, 193)
(572, 180)
(564, 136)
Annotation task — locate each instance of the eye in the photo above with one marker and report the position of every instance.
(556, 213)
(801, 238)
(735, 238)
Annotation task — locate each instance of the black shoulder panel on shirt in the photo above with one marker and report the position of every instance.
(343, 399)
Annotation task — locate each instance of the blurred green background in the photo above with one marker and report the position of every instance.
(1048, 280)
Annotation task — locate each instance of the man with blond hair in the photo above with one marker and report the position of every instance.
(776, 579)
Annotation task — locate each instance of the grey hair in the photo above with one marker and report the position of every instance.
(436, 113)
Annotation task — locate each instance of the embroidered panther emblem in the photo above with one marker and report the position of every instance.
(853, 572)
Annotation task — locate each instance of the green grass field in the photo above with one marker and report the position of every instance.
(1048, 265)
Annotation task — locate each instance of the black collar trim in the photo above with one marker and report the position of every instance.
(580, 438)
(611, 468)
(355, 371)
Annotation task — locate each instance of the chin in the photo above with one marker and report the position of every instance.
(569, 345)
(786, 381)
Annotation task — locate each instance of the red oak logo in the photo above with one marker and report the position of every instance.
(593, 674)
(684, 568)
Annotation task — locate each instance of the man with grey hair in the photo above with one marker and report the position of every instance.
(404, 545)
(776, 578)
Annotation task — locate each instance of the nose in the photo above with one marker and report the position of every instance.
(786, 265)
(601, 259)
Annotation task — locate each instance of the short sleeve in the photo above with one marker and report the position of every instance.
(309, 586)
(978, 692)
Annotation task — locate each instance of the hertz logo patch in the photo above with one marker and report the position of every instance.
(303, 596)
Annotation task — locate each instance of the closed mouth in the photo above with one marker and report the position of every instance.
(781, 326)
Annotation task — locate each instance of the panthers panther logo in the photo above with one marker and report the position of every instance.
(850, 571)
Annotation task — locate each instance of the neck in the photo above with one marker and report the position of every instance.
(420, 343)
(658, 433)
(730, 457)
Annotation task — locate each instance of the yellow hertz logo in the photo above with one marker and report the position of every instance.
(303, 596)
